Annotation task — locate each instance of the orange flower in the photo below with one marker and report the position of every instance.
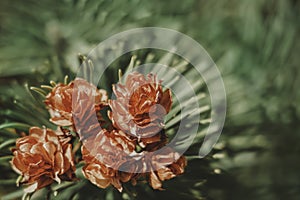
(88, 100)
(42, 158)
(140, 106)
(103, 155)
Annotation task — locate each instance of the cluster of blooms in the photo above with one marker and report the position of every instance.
(128, 144)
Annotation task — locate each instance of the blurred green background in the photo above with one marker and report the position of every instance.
(255, 44)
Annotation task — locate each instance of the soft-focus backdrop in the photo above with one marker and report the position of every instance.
(255, 44)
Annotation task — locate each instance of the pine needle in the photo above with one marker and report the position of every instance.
(39, 91)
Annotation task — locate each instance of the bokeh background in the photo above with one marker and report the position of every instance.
(255, 44)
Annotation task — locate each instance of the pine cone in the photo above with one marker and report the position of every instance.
(140, 106)
(41, 158)
(156, 166)
(165, 165)
(64, 135)
(104, 154)
(88, 100)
